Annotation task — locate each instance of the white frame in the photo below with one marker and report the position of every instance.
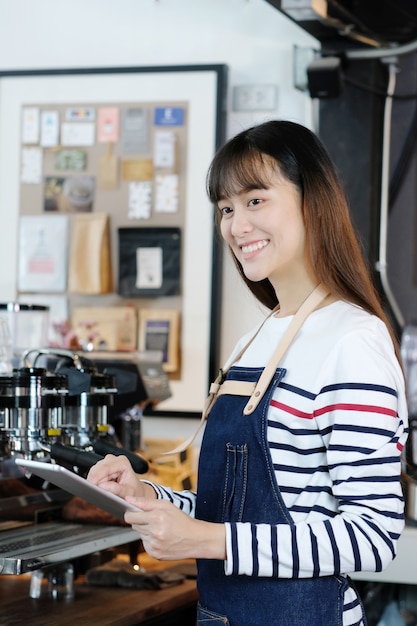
(203, 88)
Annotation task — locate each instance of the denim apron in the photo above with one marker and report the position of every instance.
(237, 483)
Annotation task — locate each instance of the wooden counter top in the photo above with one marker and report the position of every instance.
(104, 606)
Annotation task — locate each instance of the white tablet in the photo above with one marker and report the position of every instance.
(78, 486)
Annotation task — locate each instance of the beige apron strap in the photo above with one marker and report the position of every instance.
(214, 389)
(312, 302)
(256, 390)
(236, 388)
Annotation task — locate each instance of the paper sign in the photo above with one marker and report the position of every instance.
(30, 125)
(49, 129)
(74, 134)
(140, 200)
(31, 165)
(166, 193)
(149, 268)
(135, 131)
(164, 154)
(80, 114)
(169, 116)
(108, 125)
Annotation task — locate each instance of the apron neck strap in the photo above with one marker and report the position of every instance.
(315, 298)
(312, 302)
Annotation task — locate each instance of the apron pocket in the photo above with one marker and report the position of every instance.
(236, 480)
(208, 618)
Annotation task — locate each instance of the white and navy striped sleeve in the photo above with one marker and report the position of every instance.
(183, 500)
(336, 441)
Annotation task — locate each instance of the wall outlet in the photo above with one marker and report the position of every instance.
(255, 97)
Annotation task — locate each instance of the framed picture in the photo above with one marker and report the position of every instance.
(201, 91)
(160, 330)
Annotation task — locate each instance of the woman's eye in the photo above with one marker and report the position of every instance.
(225, 210)
(254, 202)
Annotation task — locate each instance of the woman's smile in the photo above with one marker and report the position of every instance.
(250, 249)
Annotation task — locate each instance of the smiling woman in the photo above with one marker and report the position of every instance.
(300, 464)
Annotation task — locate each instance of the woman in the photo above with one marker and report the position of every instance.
(299, 484)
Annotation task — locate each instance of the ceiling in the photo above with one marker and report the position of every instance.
(349, 23)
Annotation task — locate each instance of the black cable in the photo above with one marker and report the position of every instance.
(410, 143)
(377, 92)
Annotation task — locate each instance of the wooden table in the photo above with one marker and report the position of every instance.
(101, 606)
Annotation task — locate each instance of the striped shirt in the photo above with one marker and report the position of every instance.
(337, 424)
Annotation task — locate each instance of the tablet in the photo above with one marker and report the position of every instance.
(78, 486)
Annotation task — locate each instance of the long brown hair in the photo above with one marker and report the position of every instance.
(332, 246)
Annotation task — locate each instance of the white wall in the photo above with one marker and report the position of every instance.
(250, 36)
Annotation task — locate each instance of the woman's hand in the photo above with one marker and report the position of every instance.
(168, 534)
(115, 474)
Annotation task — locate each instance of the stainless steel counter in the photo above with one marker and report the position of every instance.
(28, 548)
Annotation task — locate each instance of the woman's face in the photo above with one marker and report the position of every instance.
(265, 229)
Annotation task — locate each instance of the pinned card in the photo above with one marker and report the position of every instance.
(30, 125)
(80, 114)
(72, 194)
(169, 116)
(70, 159)
(166, 193)
(74, 134)
(137, 169)
(108, 125)
(31, 165)
(164, 149)
(135, 131)
(49, 129)
(140, 200)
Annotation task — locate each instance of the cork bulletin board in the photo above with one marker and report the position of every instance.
(69, 158)
(127, 161)
(149, 182)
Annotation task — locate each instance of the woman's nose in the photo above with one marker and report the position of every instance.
(240, 224)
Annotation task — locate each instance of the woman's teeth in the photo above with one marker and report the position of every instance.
(254, 246)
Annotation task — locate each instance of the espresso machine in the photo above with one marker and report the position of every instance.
(63, 407)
